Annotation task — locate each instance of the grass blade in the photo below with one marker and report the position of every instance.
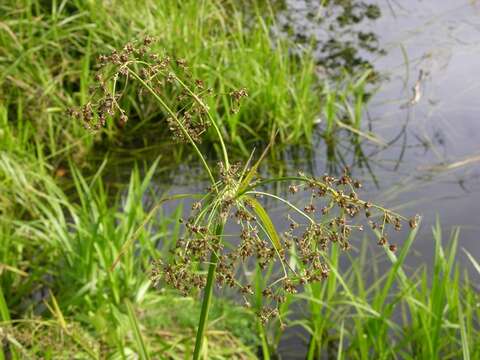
(136, 332)
(267, 222)
(474, 262)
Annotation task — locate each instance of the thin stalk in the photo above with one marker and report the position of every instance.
(263, 337)
(312, 348)
(207, 296)
(284, 201)
(322, 184)
(185, 132)
(214, 124)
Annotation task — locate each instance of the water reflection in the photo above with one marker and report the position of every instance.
(426, 112)
(338, 30)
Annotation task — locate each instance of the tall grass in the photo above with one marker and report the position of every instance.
(372, 310)
(232, 194)
(56, 255)
(59, 251)
(49, 50)
(81, 258)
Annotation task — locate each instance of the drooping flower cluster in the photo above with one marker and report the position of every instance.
(296, 257)
(301, 253)
(161, 77)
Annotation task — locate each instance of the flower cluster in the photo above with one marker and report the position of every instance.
(298, 256)
(330, 214)
(184, 97)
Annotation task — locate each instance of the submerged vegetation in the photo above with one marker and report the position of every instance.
(90, 268)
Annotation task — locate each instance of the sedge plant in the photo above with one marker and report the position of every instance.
(204, 256)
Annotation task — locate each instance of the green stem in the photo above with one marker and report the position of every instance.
(263, 337)
(212, 121)
(312, 348)
(174, 116)
(207, 296)
(328, 188)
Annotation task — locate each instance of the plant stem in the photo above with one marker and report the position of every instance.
(312, 348)
(207, 295)
(263, 337)
(210, 117)
(174, 116)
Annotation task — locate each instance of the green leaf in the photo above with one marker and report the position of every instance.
(247, 179)
(131, 240)
(474, 262)
(266, 221)
(4, 313)
(136, 332)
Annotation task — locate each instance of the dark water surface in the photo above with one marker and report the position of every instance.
(433, 166)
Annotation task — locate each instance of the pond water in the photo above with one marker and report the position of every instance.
(432, 163)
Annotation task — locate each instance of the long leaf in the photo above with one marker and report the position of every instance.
(251, 173)
(130, 241)
(267, 222)
(474, 262)
(136, 332)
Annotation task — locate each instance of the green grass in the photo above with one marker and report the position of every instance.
(62, 243)
(430, 312)
(57, 250)
(48, 55)
(76, 248)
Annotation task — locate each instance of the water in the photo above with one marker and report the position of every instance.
(433, 165)
(433, 168)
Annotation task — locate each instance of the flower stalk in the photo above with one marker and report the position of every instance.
(207, 297)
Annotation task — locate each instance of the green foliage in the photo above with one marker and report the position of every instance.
(76, 250)
(426, 313)
(56, 254)
(49, 53)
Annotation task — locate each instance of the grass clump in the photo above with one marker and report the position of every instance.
(49, 51)
(79, 265)
(58, 296)
(369, 310)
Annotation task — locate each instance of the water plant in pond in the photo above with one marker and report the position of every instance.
(329, 216)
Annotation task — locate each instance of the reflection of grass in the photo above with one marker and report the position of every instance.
(339, 30)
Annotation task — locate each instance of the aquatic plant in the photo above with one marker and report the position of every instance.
(423, 312)
(329, 217)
